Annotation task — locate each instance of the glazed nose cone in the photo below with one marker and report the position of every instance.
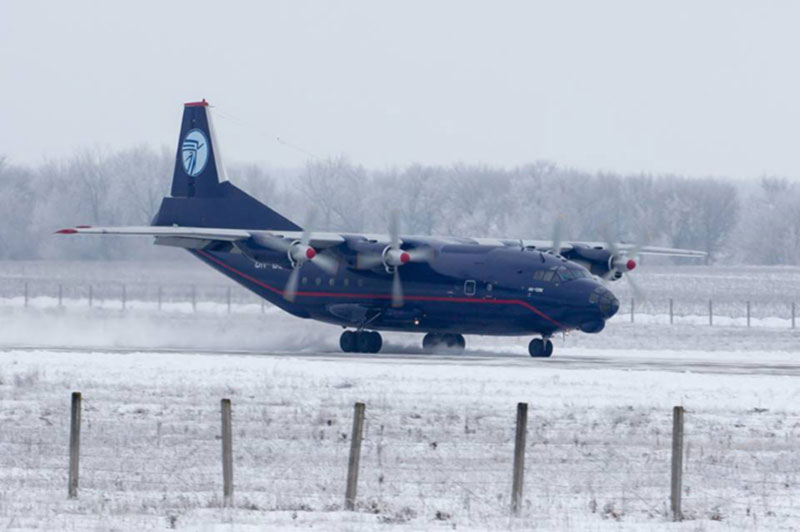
(606, 302)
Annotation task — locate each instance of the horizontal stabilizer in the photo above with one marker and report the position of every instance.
(318, 240)
(203, 233)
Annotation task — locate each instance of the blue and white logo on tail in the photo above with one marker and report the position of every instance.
(194, 151)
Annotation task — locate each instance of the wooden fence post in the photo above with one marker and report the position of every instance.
(262, 306)
(227, 453)
(677, 462)
(26, 294)
(229, 299)
(710, 312)
(124, 297)
(632, 309)
(194, 298)
(792, 315)
(159, 297)
(748, 314)
(519, 458)
(355, 457)
(74, 445)
(91, 295)
(671, 319)
(60, 295)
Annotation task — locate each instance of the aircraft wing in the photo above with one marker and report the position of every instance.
(664, 252)
(623, 248)
(643, 250)
(567, 246)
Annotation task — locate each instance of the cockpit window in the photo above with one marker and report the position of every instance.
(560, 274)
(568, 274)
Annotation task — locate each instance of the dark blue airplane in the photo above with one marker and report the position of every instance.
(442, 286)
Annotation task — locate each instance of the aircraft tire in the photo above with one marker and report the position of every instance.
(368, 342)
(431, 341)
(539, 348)
(548, 348)
(454, 343)
(536, 348)
(461, 343)
(347, 342)
(376, 342)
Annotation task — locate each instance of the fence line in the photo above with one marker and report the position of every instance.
(474, 479)
(128, 295)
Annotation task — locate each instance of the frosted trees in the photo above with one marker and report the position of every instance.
(335, 189)
(126, 187)
(771, 223)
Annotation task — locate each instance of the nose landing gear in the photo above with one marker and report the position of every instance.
(540, 347)
(360, 342)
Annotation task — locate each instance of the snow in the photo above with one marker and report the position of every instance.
(439, 431)
(439, 434)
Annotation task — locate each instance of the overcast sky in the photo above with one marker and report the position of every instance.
(688, 87)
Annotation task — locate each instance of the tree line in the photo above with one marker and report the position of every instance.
(753, 222)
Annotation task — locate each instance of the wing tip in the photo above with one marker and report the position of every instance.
(66, 232)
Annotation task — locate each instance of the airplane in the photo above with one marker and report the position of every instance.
(444, 287)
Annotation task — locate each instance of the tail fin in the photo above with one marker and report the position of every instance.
(198, 164)
(201, 194)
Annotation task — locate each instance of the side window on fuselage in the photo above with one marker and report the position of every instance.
(469, 288)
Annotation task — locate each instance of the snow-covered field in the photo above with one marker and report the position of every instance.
(439, 434)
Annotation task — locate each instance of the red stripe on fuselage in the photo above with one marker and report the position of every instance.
(384, 296)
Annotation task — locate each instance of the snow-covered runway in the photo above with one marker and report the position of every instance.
(751, 363)
(439, 431)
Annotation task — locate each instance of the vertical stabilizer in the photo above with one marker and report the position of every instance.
(198, 164)
(201, 194)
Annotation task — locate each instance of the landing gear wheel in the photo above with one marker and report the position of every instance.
(462, 343)
(368, 342)
(455, 342)
(431, 341)
(375, 342)
(347, 342)
(360, 342)
(452, 343)
(540, 348)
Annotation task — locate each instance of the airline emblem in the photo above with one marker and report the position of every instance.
(194, 150)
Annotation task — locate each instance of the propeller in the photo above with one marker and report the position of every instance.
(298, 252)
(392, 257)
(625, 262)
(558, 229)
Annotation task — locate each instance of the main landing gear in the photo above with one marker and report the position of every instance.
(446, 342)
(540, 347)
(360, 342)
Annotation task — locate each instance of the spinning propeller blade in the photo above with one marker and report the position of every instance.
(558, 229)
(393, 257)
(628, 263)
(299, 252)
(397, 289)
(290, 290)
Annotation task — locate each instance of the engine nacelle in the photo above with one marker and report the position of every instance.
(394, 257)
(299, 253)
(602, 262)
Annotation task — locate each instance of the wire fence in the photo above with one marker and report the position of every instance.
(610, 463)
(720, 311)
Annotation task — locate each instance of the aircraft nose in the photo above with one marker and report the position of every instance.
(606, 302)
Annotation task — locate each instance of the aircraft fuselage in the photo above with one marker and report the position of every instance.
(464, 289)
